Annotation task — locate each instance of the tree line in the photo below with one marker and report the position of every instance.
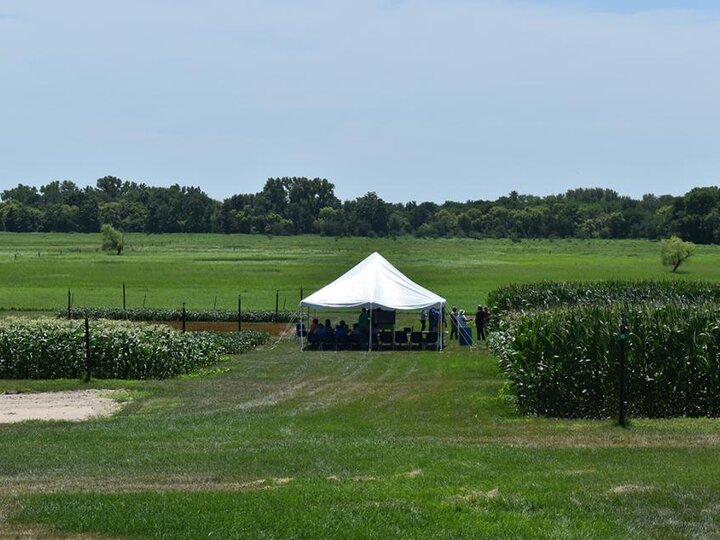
(295, 205)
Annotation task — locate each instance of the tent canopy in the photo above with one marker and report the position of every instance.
(374, 282)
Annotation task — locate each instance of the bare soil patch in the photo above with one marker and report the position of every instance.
(274, 329)
(73, 405)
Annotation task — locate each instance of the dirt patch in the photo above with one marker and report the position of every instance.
(282, 481)
(474, 496)
(73, 405)
(629, 489)
(274, 329)
(23, 486)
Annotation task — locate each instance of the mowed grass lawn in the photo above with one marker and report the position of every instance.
(278, 443)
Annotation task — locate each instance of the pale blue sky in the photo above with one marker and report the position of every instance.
(416, 100)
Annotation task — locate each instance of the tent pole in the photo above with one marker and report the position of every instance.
(370, 329)
(301, 327)
(441, 326)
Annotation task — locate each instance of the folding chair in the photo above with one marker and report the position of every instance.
(385, 338)
(416, 340)
(313, 342)
(401, 339)
(431, 339)
(342, 343)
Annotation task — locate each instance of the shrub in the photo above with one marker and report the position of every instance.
(174, 314)
(563, 362)
(50, 349)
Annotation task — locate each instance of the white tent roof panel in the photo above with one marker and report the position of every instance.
(373, 282)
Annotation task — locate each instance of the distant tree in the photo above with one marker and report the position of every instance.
(23, 194)
(88, 216)
(60, 217)
(366, 214)
(674, 251)
(305, 199)
(444, 223)
(113, 240)
(65, 192)
(397, 223)
(110, 187)
(18, 217)
(276, 225)
(299, 205)
(331, 222)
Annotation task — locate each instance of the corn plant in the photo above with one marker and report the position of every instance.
(50, 348)
(173, 314)
(563, 362)
(237, 342)
(552, 294)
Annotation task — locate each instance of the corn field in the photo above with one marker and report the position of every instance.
(51, 349)
(563, 362)
(551, 294)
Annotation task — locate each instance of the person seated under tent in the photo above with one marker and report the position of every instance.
(342, 330)
(314, 326)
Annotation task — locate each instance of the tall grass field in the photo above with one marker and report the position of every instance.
(277, 443)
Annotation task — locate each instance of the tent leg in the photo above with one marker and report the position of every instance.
(441, 326)
(370, 330)
(301, 328)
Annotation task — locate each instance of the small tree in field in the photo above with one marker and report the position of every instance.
(113, 240)
(674, 251)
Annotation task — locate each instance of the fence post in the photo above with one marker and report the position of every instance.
(277, 300)
(183, 318)
(124, 304)
(88, 362)
(69, 305)
(239, 313)
(622, 338)
(301, 293)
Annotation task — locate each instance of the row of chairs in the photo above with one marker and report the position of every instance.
(411, 340)
(381, 341)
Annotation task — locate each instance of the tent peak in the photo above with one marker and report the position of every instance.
(374, 281)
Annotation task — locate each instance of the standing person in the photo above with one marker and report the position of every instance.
(432, 319)
(487, 315)
(454, 323)
(364, 328)
(423, 319)
(480, 322)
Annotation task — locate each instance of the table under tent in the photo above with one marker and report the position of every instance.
(378, 286)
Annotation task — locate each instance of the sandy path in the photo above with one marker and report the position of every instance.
(72, 405)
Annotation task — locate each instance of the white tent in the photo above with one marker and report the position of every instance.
(374, 283)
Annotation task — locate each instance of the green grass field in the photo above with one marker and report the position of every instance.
(277, 443)
(36, 270)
